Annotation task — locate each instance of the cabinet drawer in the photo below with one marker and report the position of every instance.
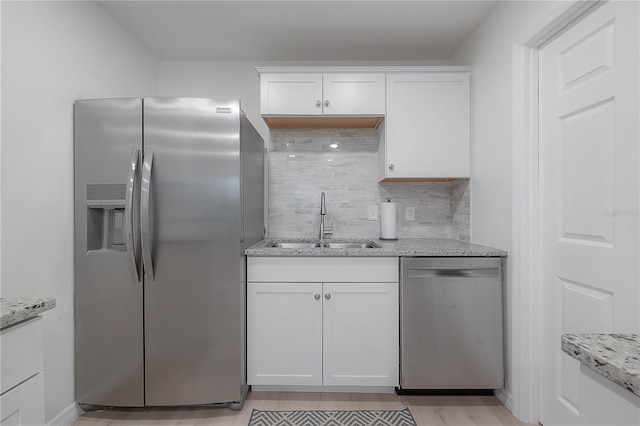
(323, 269)
(22, 350)
(24, 404)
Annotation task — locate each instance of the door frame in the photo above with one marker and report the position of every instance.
(525, 299)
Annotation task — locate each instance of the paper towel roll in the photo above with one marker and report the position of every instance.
(388, 221)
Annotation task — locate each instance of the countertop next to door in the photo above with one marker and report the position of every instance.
(615, 356)
(17, 309)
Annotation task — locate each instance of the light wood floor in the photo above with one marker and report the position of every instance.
(427, 410)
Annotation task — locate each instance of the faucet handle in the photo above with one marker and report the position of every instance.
(328, 230)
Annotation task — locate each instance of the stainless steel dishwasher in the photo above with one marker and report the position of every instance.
(451, 326)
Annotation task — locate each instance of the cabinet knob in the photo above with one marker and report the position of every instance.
(327, 296)
(326, 103)
(316, 296)
(318, 104)
(390, 166)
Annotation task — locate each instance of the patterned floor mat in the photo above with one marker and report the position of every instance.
(332, 418)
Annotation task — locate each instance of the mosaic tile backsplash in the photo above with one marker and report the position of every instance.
(343, 164)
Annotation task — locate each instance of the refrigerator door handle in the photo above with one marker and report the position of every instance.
(145, 213)
(128, 208)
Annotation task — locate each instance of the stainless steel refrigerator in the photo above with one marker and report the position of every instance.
(168, 193)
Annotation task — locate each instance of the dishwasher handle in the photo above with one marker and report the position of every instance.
(414, 272)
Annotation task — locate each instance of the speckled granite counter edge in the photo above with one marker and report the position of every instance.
(17, 309)
(614, 356)
(426, 247)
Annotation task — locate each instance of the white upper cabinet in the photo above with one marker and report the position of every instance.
(291, 94)
(427, 127)
(322, 100)
(353, 94)
(322, 94)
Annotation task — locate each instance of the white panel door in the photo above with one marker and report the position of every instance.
(291, 94)
(284, 333)
(589, 281)
(360, 334)
(353, 94)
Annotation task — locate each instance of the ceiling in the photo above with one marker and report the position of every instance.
(327, 30)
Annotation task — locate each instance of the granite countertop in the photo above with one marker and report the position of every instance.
(426, 247)
(615, 356)
(16, 309)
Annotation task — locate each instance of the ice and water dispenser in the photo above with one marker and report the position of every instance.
(105, 217)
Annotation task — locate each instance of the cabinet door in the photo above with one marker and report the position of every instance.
(24, 404)
(353, 94)
(22, 352)
(427, 126)
(291, 94)
(284, 333)
(360, 334)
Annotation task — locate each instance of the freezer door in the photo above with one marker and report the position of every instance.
(108, 300)
(193, 299)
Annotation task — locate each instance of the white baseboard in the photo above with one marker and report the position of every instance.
(67, 416)
(505, 397)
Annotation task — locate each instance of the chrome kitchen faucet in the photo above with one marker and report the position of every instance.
(323, 212)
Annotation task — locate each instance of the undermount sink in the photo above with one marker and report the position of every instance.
(300, 245)
(368, 244)
(325, 244)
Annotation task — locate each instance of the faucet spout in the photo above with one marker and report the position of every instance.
(323, 213)
(323, 207)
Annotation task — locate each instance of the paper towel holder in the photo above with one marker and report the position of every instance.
(388, 238)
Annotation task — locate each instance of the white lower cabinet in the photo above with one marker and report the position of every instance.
(24, 404)
(22, 378)
(340, 333)
(284, 333)
(360, 334)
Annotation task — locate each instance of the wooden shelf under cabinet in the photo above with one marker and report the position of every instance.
(323, 122)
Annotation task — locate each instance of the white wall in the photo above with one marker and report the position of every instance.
(52, 54)
(489, 51)
(0, 152)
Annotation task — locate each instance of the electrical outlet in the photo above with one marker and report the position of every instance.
(373, 212)
(410, 214)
